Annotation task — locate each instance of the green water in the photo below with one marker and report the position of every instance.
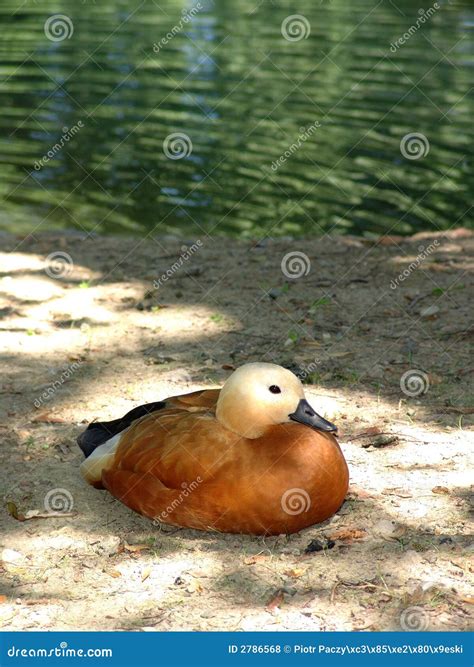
(243, 94)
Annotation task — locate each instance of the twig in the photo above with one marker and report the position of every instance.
(246, 333)
(374, 435)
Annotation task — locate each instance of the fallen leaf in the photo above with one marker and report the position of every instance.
(3, 599)
(295, 572)
(349, 534)
(13, 511)
(373, 430)
(114, 573)
(47, 417)
(381, 441)
(440, 490)
(146, 573)
(255, 558)
(359, 492)
(455, 410)
(135, 548)
(194, 587)
(275, 601)
(468, 600)
(38, 514)
(395, 491)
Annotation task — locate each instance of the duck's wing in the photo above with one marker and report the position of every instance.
(166, 460)
(97, 433)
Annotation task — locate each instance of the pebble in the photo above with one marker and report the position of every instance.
(429, 312)
(376, 372)
(11, 556)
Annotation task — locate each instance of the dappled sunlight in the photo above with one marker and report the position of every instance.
(95, 344)
(29, 289)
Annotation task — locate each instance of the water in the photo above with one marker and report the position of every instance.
(338, 101)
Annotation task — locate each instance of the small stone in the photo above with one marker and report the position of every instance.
(376, 372)
(319, 545)
(274, 293)
(430, 312)
(11, 556)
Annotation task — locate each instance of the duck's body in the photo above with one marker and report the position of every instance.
(182, 465)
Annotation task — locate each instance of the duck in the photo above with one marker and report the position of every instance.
(252, 457)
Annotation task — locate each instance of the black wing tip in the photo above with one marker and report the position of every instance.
(97, 433)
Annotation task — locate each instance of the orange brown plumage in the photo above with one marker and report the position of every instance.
(183, 465)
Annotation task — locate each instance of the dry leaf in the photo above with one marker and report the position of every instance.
(276, 601)
(256, 558)
(359, 492)
(373, 430)
(114, 573)
(3, 599)
(395, 491)
(295, 572)
(440, 489)
(135, 548)
(381, 441)
(13, 511)
(348, 534)
(38, 514)
(194, 587)
(47, 417)
(146, 573)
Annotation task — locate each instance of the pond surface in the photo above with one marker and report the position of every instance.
(286, 125)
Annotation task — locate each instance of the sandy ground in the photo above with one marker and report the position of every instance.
(85, 335)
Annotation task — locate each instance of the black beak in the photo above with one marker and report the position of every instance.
(306, 415)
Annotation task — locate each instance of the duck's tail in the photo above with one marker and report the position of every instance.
(100, 440)
(97, 433)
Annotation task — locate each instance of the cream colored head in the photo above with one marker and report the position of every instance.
(260, 395)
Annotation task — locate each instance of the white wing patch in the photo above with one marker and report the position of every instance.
(101, 458)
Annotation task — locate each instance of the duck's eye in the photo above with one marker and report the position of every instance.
(274, 389)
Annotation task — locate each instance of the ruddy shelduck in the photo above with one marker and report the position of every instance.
(252, 457)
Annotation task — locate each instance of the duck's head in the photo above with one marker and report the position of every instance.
(260, 395)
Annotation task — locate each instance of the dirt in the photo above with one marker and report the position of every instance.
(89, 336)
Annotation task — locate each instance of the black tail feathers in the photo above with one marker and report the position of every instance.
(99, 432)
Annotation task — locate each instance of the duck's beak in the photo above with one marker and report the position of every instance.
(306, 415)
